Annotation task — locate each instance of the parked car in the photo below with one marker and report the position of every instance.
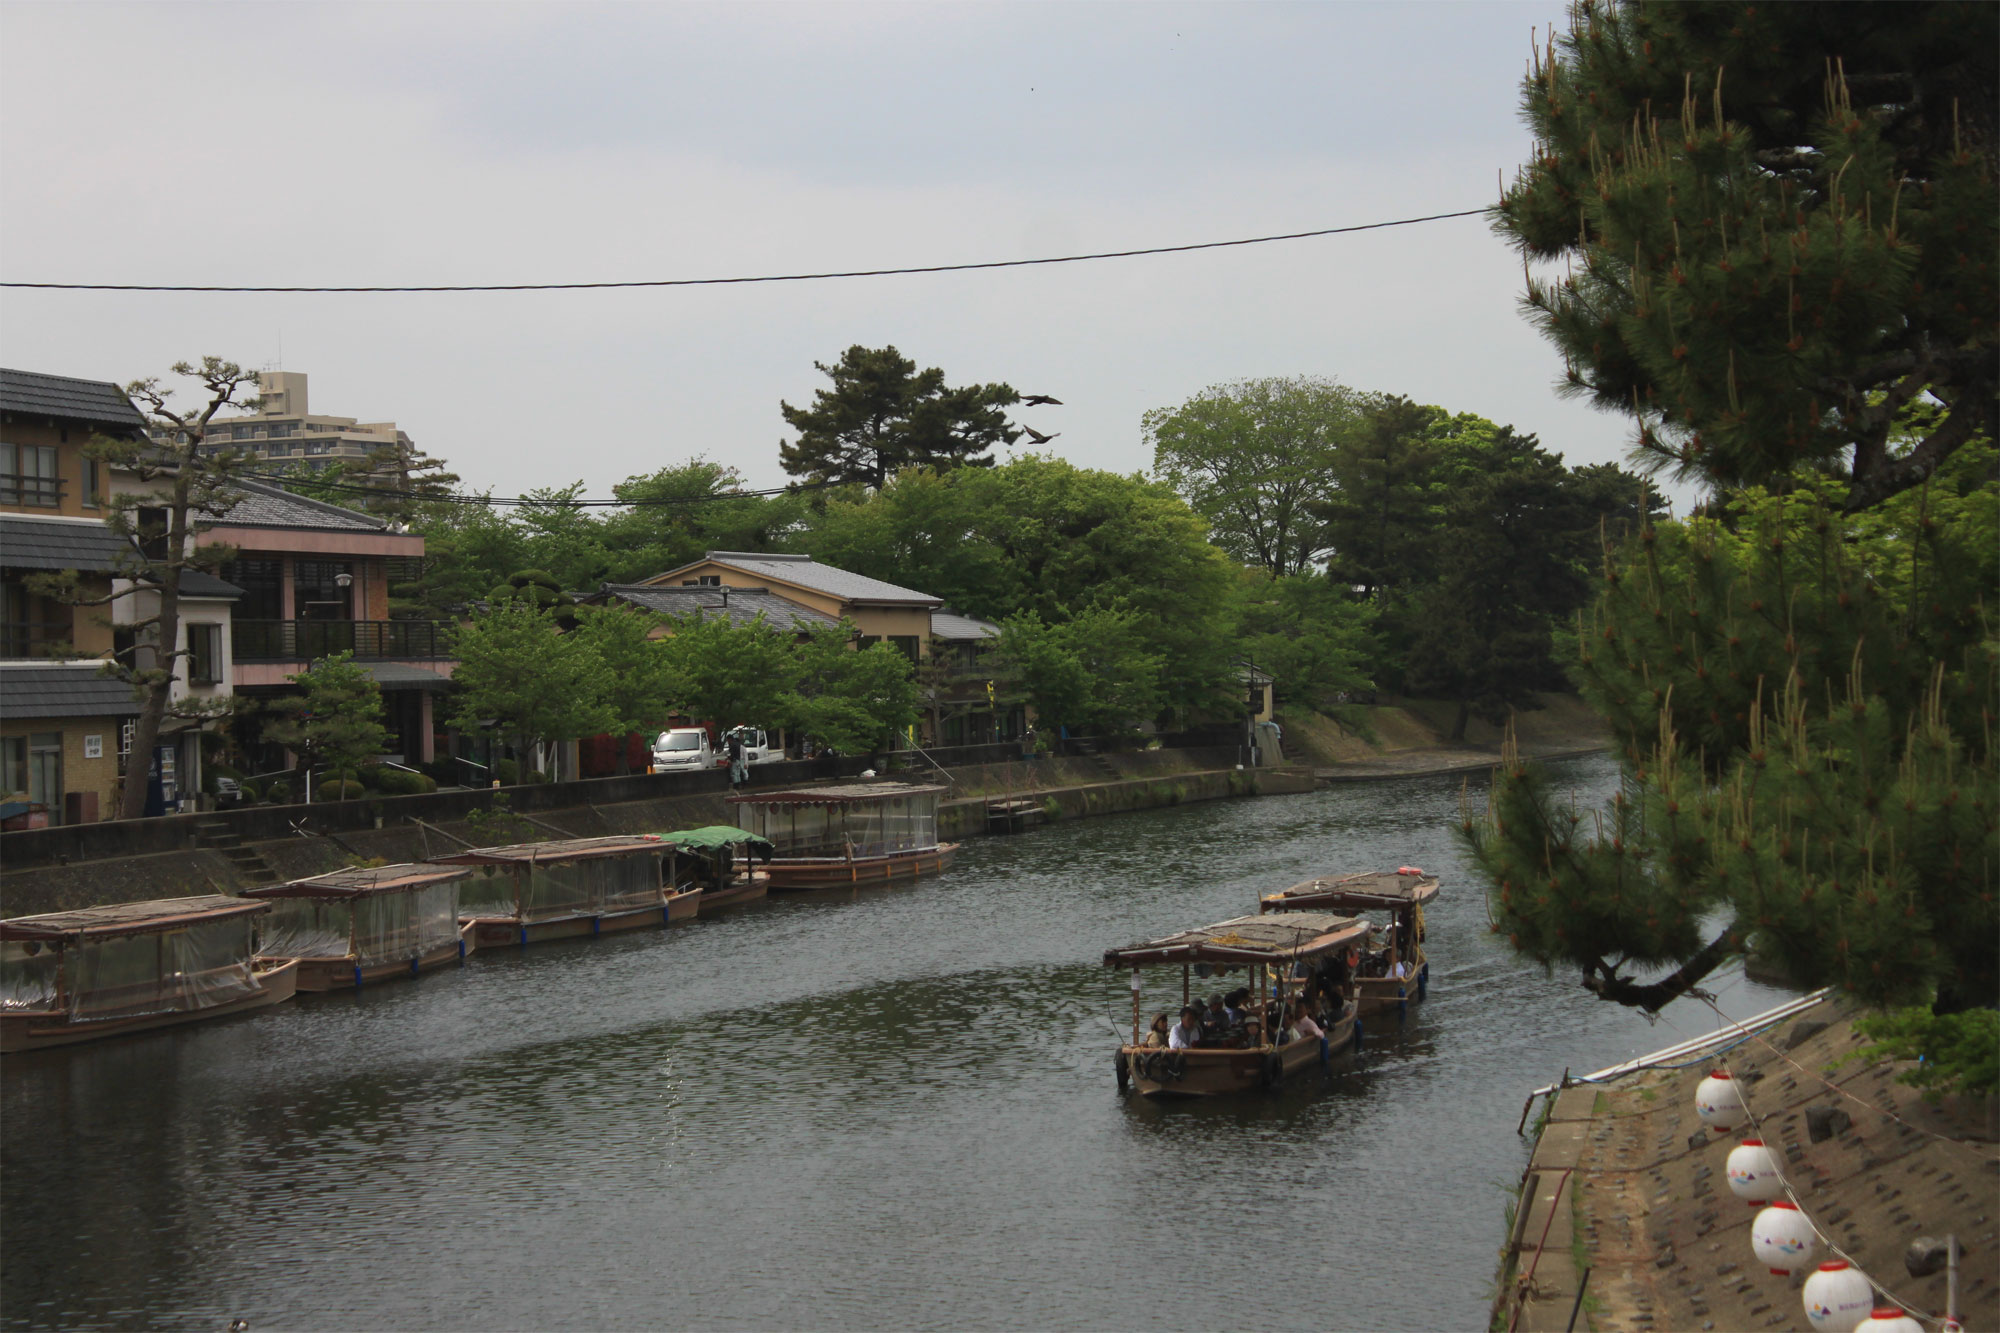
(683, 747)
(756, 746)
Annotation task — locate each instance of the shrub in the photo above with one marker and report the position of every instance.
(277, 791)
(398, 782)
(507, 771)
(536, 775)
(339, 789)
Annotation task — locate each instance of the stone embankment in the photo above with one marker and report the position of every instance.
(293, 842)
(1627, 1190)
(1400, 738)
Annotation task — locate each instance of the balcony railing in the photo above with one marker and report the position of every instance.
(20, 489)
(303, 640)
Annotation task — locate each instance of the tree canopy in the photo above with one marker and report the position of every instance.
(1254, 458)
(882, 415)
(1778, 226)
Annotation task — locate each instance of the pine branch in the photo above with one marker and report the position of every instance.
(1602, 980)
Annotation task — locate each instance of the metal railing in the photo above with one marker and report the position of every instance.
(34, 638)
(304, 640)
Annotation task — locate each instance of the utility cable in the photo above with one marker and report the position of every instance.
(740, 281)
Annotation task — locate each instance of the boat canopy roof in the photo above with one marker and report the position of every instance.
(851, 793)
(1367, 888)
(1246, 939)
(560, 849)
(711, 836)
(363, 881)
(160, 914)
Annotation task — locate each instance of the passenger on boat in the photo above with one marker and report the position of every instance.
(1302, 1021)
(1156, 1035)
(1187, 1032)
(1215, 1023)
(1232, 1006)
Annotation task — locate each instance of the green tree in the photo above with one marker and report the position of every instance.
(468, 548)
(1778, 225)
(564, 537)
(640, 686)
(1802, 680)
(1381, 515)
(847, 698)
(883, 415)
(675, 515)
(519, 672)
(1255, 458)
(335, 722)
(1091, 672)
(186, 488)
(1318, 642)
(729, 673)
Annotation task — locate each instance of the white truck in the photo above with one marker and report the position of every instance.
(683, 748)
(756, 745)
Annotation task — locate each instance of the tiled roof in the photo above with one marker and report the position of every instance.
(98, 402)
(63, 691)
(58, 543)
(195, 583)
(741, 605)
(952, 627)
(273, 507)
(809, 573)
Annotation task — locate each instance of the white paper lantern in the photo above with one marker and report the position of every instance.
(1782, 1239)
(1889, 1319)
(1720, 1102)
(1838, 1297)
(1753, 1172)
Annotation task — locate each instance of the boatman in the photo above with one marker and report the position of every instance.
(1187, 1032)
(739, 767)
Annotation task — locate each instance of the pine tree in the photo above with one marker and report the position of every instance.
(1780, 221)
(335, 721)
(1778, 226)
(883, 415)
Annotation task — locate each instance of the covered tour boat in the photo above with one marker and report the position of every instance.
(367, 924)
(718, 859)
(76, 976)
(855, 833)
(1280, 958)
(1392, 971)
(533, 891)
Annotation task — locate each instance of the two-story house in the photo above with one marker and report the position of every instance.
(881, 612)
(62, 722)
(315, 580)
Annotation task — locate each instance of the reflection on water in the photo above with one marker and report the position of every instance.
(893, 1107)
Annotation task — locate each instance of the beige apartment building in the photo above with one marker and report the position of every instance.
(285, 430)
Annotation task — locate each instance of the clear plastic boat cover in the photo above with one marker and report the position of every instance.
(596, 887)
(28, 975)
(379, 928)
(196, 967)
(873, 827)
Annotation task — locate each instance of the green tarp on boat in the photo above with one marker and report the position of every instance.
(717, 835)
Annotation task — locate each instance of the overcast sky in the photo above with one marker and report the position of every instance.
(467, 143)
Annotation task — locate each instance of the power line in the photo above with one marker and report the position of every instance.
(769, 277)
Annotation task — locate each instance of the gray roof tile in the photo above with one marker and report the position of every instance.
(809, 573)
(274, 507)
(99, 402)
(28, 542)
(63, 691)
(741, 605)
(195, 583)
(952, 627)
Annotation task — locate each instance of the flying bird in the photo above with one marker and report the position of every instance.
(1037, 436)
(1041, 400)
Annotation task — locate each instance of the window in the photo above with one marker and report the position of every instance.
(704, 581)
(262, 582)
(28, 475)
(13, 765)
(906, 644)
(316, 590)
(239, 432)
(282, 430)
(93, 483)
(204, 654)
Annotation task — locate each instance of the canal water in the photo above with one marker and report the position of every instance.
(893, 1109)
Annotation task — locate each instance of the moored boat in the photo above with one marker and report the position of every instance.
(365, 924)
(718, 859)
(1391, 971)
(533, 891)
(68, 977)
(1282, 959)
(850, 834)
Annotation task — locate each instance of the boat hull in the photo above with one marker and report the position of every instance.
(490, 932)
(758, 886)
(1389, 997)
(320, 975)
(797, 874)
(1154, 1072)
(277, 981)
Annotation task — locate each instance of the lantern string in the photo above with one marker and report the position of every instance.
(1792, 1195)
(1827, 1083)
